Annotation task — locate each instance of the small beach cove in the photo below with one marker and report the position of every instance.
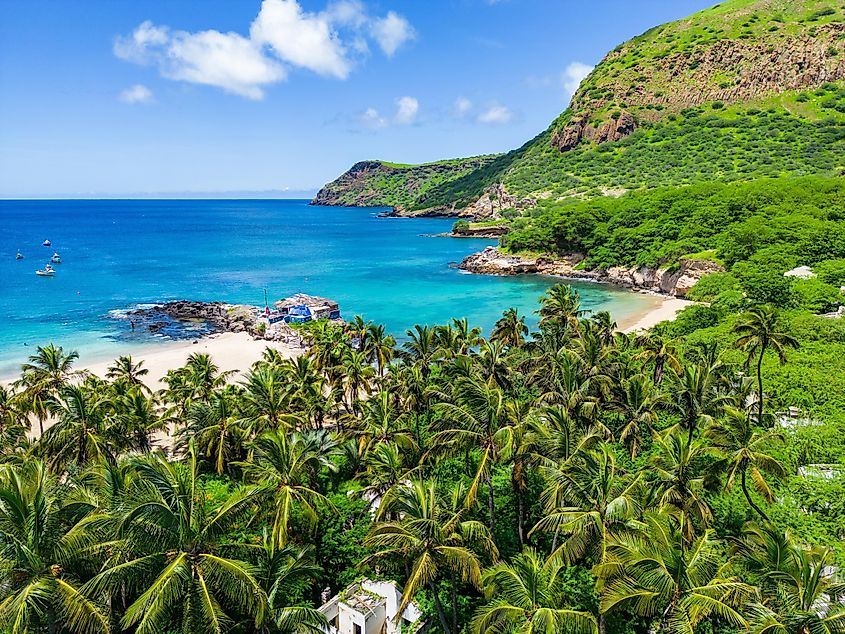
(117, 254)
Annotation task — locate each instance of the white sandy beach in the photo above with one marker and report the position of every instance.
(230, 351)
(666, 310)
(238, 351)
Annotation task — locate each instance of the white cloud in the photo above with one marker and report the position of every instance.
(372, 119)
(406, 110)
(573, 75)
(307, 40)
(136, 94)
(281, 37)
(462, 106)
(495, 115)
(226, 60)
(137, 46)
(391, 32)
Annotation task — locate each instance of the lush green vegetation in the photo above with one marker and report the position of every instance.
(757, 231)
(569, 479)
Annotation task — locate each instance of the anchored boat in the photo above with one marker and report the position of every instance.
(47, 271)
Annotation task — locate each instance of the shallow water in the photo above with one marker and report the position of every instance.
(120, 253)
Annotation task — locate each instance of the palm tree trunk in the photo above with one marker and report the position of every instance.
(760, 386)
(491, 504)
(520, 520)
(440, 612)
(750, 501)
(602, 624)
(454, 602)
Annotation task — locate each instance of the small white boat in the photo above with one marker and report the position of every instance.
(56, 259)
(47, 271)
(46, 243)
(19, 256)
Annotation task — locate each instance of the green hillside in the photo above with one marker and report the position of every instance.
(745, 89)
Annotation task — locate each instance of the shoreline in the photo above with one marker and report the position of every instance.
(229, 350)
(237, 351)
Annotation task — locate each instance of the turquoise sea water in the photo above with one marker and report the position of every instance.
(120, 253)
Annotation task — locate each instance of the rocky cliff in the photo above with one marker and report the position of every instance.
(735, 52)
(675, 281)
(403, 187)
(659, 101)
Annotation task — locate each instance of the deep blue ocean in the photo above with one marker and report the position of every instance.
(120, 253)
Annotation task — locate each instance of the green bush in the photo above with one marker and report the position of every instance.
(816, 296)
(711, 286)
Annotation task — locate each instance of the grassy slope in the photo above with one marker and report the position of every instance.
(669, 79)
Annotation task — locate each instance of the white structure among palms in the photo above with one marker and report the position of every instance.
(370, 607)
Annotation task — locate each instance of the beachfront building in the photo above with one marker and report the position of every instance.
(301, 308)
(370, 607)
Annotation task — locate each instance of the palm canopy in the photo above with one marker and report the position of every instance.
(43, 540)
(430, 538)
(171, 558)
(283, 468)
(654, 574)
(759, 330)
(591, 501)
(799, 584)
(528, 596)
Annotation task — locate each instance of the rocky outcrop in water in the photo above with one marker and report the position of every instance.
(675, 281)
(189, 319)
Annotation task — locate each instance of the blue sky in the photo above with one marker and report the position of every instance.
(107, 97)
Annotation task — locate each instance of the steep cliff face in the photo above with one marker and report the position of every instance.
(403, 187)
(736, 52)
(743, 90)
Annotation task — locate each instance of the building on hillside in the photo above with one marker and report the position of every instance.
(301, 308)
(370, 607)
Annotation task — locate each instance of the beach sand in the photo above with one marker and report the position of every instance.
(238, 351)
(666, 309)
(230, 351)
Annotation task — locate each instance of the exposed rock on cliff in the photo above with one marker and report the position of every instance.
(712, 56)
(676, 281)
(403, 187)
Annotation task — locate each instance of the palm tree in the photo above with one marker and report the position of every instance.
(656, 346)
(510, 330)
(279, 570)
(430, 539)
(358, 375)
(382, 423)
(51, 366)
(475, 419)
(125, 370)
(47, 372)
(528, 595)
(697, 398)
(421, 347)
(759, 331)
(743, 449)
(800, 585)
(217, 430)
(636, 403)
(82, 432)
(204, 376)
(13, 421)
(172, 556)
(379, 347)
(654, 575)
(265, 402)
(137, 419)
(680, 480)
(592, 502)
(43, 542)
(284, 468)
(561, 305)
